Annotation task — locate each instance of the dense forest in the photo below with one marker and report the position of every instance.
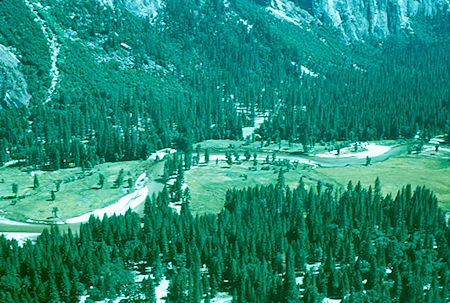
(129, 85)
(269, 244)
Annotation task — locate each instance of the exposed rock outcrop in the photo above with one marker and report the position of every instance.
(147, 8)
(13, 87)
(358, 19)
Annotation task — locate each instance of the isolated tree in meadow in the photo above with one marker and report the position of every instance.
(36, 182)
(52, 195)
(247, 155)
(368, 160)
(206, 155)
(15, 189)
(119, 181)
(229, 159)
(55, 212)
(236, 156)
(101, 180)
(58, 185)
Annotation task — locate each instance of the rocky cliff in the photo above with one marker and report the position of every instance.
(358, 19)
(139, 7)
(13, 87)
(354, 19)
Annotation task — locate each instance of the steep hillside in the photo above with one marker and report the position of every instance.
(116, 79)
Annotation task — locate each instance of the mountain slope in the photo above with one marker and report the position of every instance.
(135, 76)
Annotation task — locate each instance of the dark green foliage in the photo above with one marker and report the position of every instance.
(254, 249)
(35, 181)
(15, 189)
(189, 71)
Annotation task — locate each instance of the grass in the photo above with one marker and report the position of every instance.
(77, 193)
(208, 184)
(396, 172)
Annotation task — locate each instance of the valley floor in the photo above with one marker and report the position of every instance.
(79, 195)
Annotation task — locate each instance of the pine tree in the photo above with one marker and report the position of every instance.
(206, 155)
(290, 291)
(280, 179)
(36, 181)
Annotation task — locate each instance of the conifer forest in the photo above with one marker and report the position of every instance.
(224, 151)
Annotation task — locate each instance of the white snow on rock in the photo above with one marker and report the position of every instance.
(285, 10)
(160, 154)
(119, 208)
(328, 300)
(248, 131)
(161, 290)
(288, 11)
(53, 46)
(148, 8)
(107, 3)
(372, 150)
(221, 297)
(176, 206)
(21, 238)
(437, 140)
(307, 71)
(245, 22)
(314, 267)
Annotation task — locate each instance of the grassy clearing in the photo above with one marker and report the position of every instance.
(395, 173)
(208, 184)
(77, 194)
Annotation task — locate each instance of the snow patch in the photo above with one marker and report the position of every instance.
(21, 238)
(119, 208)
(222, 297)
(160, 154)
(161, 290)
(53, 46)
(10, 163)
(307, 71)
(248, 131)
(286, 10)
(314, 267)
(372, 150)
(245, 22)
(107, 3)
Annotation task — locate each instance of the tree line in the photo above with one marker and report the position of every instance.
(268, 244)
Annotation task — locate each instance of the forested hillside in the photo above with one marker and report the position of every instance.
(269, 244)
(126, 84)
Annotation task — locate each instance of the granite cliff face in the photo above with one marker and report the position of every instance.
(354, 19)
(359, 19)
(13, 87)
(139, 7)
